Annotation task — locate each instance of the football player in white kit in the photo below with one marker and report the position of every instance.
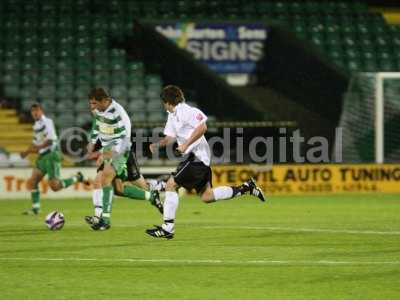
(187, 126)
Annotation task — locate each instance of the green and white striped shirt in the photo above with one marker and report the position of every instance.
(44, 130)
(113, 128)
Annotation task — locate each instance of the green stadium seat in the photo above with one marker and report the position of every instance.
(136, 92)
(352, 53)
(118, 81)
(156, 116)
(83, 78)
(49, 105)
(119, 91)
(65, 77)
(64, 105)
(135, 80)
(65, 64)
(100, 78)
(135, 67)
(138, 116)
(47, 92)
(370, 65)
(123, 101)
(137, 105)
(11, 77)
(153, 104)
(47, 77)
(100, 66)
(386, 64)
(65, 91)
(29, 92)
(11, 65)
(153, 93)
(65, 120)
(81, 93)
(11, 90)
(354, 65)
(83, 119)
(29, 78)
(26, 104)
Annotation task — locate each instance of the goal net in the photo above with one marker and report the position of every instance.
(370, 119)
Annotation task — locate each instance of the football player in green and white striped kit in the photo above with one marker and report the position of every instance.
(49, 160)
(113, 129)
(131, 185)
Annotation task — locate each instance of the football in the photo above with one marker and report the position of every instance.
(55, 220)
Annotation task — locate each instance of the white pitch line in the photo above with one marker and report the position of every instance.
(203, 261)
(266, 228)
(311, 230)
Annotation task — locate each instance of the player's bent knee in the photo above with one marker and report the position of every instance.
(29, 184)
(97, 181)
(207, 197)
(97, 184)
(171, 185)
(32, 183)
(107, 176)
(55, 185)
(118, 187)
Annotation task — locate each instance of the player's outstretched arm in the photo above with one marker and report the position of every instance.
(167, 140)
(45, 144)
(35, 148)
(29, 150)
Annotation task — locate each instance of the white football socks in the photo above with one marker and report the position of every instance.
(170, 207)
(223, 193)
(97, 198)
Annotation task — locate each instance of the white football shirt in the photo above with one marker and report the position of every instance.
(181, 124)
(44, 130)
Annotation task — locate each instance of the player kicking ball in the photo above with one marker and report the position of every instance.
(49, 160)
(187, 125)
(118, 169)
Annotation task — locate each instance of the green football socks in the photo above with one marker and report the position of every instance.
(35, 196)
(136, 193)
(69, 181)
(108, 194)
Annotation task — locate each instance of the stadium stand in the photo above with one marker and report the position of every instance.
(51, 54)
(54, 51)
(14, 138)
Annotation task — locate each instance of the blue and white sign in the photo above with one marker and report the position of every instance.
(226, 48)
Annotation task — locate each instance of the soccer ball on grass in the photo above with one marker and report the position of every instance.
(55, 220)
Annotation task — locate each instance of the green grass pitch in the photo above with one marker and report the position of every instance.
(337, 247)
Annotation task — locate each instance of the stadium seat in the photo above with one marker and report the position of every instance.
(65, 119)
(83, 118)
(65, 49)
(156, 116)
(138, 116)
(153, 105)
(47, 92)
(81, 105)
(118, 91)
(49, 105)
(81, 92)
(137, 105)
(26, 104)
(136, 92)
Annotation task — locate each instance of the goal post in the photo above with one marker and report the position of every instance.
(370, 119)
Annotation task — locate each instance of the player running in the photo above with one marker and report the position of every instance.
(128, 174)
(187, 125)
(49, 160)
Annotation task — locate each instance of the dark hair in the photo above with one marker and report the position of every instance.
(172, 94)
(36, 105)
(98, 94)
